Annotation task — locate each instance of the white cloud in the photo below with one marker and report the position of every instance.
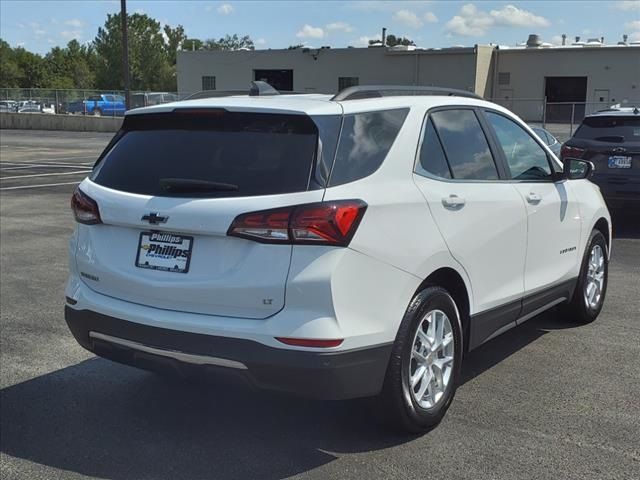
(407, 18)
(557, 40)
(339, 27)
(260, 42)
(139, 11)
(21, 44)
(635, 37)
(74, 22)
(71, 34)
(21, 25)
(39, 33)
(364, 41)
(308, 31)
(628, 5)
(635, 25)
(50, 41)
(225, 9)
(512, 16)
(470, 22)
(430, 17)
(473, 22)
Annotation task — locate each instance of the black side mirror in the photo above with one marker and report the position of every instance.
(576, 169)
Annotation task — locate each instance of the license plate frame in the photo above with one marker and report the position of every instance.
(162, 260)
(619, 161)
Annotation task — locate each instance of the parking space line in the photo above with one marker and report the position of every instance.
(39, 165)
(45, 175)
(38, 186)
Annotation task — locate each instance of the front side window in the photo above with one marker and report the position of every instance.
(465, 145)
(365, 140)
(526, 159)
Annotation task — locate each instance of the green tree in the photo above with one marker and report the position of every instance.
(9, 70)
(175, 38)
(230, 42)
(392, 41)
(148, 64)
(190, 44)
(295, 47)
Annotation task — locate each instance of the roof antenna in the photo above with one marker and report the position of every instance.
(261, 89)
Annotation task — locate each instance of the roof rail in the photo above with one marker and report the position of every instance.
(374, 91)
(258, 89)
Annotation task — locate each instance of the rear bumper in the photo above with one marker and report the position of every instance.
(321, 375)
(619, 192)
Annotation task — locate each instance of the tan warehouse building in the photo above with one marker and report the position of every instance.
(583, 76)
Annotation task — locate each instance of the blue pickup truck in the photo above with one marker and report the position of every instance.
(98, 105)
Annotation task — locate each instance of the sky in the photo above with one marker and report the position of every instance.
(40, 25)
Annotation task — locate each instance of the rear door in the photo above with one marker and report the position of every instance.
(167, 246)
(553, 215)
(481, 217)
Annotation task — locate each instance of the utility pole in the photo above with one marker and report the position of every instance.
(125, 53)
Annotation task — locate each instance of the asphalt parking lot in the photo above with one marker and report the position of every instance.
(548, 400)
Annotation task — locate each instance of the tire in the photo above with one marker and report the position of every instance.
(580, 309)
(397, 406)
(97, 112)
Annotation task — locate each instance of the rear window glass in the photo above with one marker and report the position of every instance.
(260, 154)
(610, 129)
(465, 145)
(365, 140)
(432, 157)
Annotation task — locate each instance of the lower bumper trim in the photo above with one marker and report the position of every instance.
(176, 355)
(331, 375)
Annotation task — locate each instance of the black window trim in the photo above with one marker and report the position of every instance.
(498, 160)
(502, 157)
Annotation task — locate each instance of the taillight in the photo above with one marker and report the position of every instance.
(326, 223)
(85, 209)
(571, 152)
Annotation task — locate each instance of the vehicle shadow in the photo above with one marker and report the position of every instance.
(102, 419)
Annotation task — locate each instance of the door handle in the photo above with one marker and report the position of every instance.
(453, 202)
(534, 198)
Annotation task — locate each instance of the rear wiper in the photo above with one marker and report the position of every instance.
(189, 185)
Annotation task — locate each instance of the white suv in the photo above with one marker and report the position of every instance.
(333, 247)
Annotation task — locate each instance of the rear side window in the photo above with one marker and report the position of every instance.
(365, 141)
(261, 154)
(432, 158)
(610, 129)
(465, 145)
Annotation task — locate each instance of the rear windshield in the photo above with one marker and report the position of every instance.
(260, 154)
(610, 129)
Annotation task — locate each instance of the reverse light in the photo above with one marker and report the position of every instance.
(85, 209)
(324, 223)
(309, 342)
(567, 151)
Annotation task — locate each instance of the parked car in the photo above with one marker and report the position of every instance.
(551, 141)
(99, 105)
(8, 106)
(333, 247)
(611, 140)
(146, 99)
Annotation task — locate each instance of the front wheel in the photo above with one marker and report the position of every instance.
(425, 363)
(591, 288)
(97, 112)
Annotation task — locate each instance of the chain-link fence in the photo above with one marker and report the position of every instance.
(79, 102)
(560, 118)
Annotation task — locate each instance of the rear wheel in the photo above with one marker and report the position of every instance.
(425, 363)
(591, 288)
